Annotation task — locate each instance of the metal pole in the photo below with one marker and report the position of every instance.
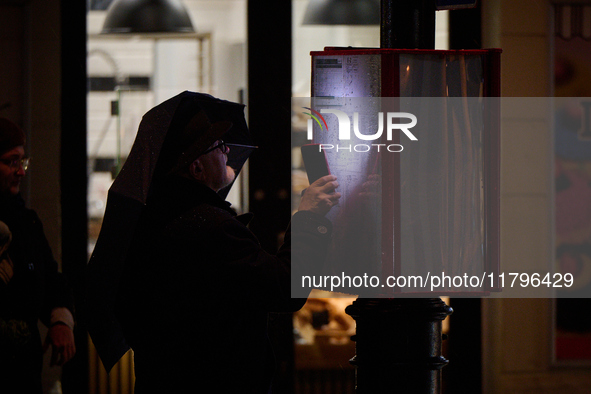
(408, 24)
(398, 345)
(398, 340)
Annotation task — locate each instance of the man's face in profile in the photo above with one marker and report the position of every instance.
(11, 171)
(214, 172)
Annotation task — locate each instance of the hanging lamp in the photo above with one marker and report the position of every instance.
(342, 12)
(147, 16)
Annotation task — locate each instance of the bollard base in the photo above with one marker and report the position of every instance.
(398, 345)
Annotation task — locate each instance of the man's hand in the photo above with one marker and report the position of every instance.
(61, 339)
(320, 196)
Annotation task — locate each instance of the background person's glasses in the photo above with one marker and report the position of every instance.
(16, 164)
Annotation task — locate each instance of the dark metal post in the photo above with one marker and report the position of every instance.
(73, 182)
(269, 110)
(408, 24)
(398, 345)
(398, 341)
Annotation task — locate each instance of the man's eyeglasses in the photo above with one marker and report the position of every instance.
(16, 164)
(221, 145)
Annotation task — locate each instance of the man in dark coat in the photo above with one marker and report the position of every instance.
(31, 288)
(197, 286)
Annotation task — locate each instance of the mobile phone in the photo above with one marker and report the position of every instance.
(315, 162)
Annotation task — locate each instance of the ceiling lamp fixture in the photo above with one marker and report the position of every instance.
(147, 16)
(342, 12)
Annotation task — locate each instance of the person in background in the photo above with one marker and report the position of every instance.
(31, 288)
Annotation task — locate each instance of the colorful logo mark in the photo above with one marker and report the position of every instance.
(315, 116)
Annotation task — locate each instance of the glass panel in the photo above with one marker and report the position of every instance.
(128, 75)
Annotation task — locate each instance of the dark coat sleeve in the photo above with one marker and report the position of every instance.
(231, 259)
(36, 287)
